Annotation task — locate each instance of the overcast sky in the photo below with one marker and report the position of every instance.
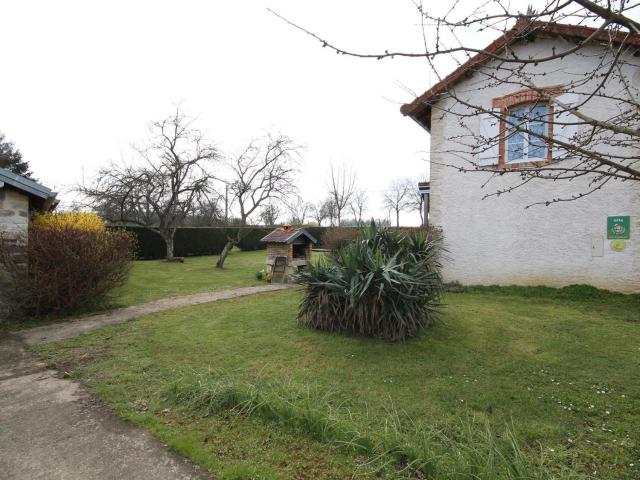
(82, 80)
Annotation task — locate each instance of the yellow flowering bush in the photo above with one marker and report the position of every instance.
(73, 260)
(79, 220)
(60, 220)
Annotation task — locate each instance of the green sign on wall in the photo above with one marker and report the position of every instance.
(619, 227)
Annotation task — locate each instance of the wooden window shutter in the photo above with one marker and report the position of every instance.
(489, 139)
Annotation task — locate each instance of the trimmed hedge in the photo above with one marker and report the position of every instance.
(195, 241)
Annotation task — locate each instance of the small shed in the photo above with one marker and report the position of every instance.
(288, 249)
(19, 197)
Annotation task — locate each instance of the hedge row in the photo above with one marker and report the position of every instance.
(194, 241)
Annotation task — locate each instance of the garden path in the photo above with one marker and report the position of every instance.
(72, 328)
(51, 428)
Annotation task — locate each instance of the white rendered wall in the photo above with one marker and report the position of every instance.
(498, 240)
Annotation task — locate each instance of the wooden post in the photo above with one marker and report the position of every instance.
(425, 205)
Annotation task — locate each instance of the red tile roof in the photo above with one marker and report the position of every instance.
(420, 109)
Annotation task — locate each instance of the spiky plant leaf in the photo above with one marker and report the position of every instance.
(383, 284)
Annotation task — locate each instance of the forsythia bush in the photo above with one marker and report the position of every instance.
(73, 262)
(62, 220)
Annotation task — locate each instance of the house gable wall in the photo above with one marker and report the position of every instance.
(498, 240)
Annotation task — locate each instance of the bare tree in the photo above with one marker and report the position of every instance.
(262, 172)
(415, 200)
(342, 186)
(207, 212)
(358, 205)
(166, 187)
(397, 198)
(269, 213)
(586, 140)
(319, 212)
(299, 209)
(331, 210)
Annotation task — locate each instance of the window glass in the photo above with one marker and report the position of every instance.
(515, 142)
(538, 124)
(526, 146)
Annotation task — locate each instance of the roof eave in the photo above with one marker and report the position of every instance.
(419, 112)
(420, 109)
(302, 232)
(290, 238)
(29, 186)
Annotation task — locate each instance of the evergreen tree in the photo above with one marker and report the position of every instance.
(11, 158)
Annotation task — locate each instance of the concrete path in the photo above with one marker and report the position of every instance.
(50, 428)
(72, 328)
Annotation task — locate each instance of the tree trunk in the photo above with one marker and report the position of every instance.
(223, 255)
(168, 240)
(398, 218)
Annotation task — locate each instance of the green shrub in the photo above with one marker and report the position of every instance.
(149, 245)
(195, 241)
(73, 262)
(316, 232)
(335, 238)
(384, 284)
(250, 238)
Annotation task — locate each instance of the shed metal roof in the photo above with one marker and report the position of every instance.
(26, 185)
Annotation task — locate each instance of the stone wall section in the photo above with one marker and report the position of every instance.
(14, 227)
(279, 250)
(14, 213)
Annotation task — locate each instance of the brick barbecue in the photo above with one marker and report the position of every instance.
(290, 243)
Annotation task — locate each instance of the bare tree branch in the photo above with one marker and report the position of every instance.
(342, 184)
(169, 184)
(263, 171)
(397, 198)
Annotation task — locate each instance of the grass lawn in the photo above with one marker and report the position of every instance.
(241, 389)
(154, 279)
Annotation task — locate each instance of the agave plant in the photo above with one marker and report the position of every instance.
(384, 284)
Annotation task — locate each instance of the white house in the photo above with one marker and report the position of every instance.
(497, 240)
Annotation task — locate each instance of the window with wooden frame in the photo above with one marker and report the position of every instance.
(517, 130)
(525, 130)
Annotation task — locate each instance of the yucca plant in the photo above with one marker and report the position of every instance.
(384, 284)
